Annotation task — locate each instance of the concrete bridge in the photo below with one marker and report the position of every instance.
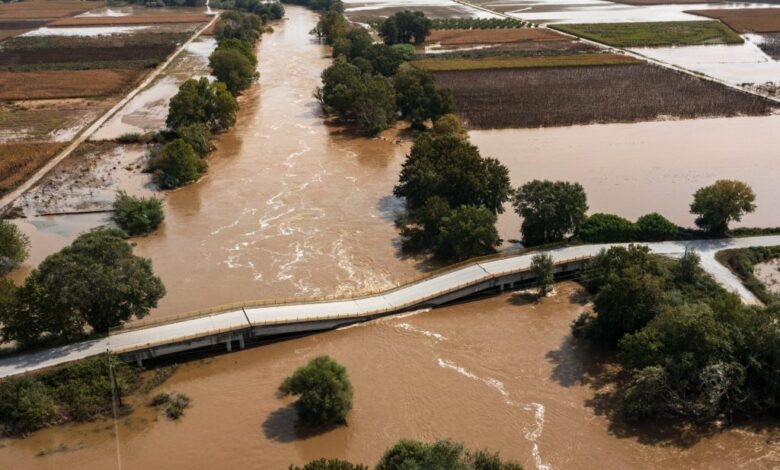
(234, 327)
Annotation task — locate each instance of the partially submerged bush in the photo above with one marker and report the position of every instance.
(198, 136)
(176, 406)
(176, 164)
(137, 215)
(655, 227)
(325, 391)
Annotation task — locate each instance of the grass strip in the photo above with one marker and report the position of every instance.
(742, 261)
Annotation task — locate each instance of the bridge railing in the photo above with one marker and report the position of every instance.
(238, 306)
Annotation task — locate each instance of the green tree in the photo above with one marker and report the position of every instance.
(654, 227)
(405, 26)
(231, 67)
(441, 455)
(13, 246)
(202, 102)
(616, 260)
(26, 405)
(198, 136)
(606, 228)
(451, 168)
(417, 96)
(137, 215)
(374, 107)
(467, 231)
(329, 464)
(331, 26)
(237, 25)
(244, 47)
(341, 85)
(720, 203)
(325, 391)
(176, 164)
(550, 210)
(385, 60)
(450, 124)
(543, 270)
(96, 281)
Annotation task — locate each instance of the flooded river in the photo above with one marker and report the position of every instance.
(293, 206)
(501, 373)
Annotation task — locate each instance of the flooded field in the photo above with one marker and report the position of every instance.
(501, 373)
(633, 169)
(364, 11)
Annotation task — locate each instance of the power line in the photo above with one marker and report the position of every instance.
(114, 408)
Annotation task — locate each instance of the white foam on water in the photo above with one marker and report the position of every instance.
(531, 435)
(430, 334)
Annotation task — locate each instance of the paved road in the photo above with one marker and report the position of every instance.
(388, 301)
(8, 199)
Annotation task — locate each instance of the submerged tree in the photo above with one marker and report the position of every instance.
(176, 164)
(550, 210)
(13, 246)
(324, 389)
(137, 215)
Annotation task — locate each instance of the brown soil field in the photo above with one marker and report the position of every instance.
(19, 160)
(129, 20)
(558, 60)
(41, 57)
(46, 9)
(65, 83)
(463, 37)
(747, 20)
(15, 27)
(540, 97)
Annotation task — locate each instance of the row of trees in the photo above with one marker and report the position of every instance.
(405, 27)
(690, 348)
(415, 455)
(370, 84)
(319, 5)
(266, 10)
(96, 282)
(202, 107)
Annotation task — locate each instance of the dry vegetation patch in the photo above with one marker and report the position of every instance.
(66, 83)
(488, 63)
(535, 97)
(19, 160)
(746, 20)
(129, 20)
(47, 120)
(461, 37)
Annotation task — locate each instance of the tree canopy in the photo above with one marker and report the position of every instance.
(137, 215)
(13, 246)
(543, 270)
(176, 164)
(723, 202)
(325, 391)
(202, 102)
(96, 281)
(418, 98)
(606, 228)
(465, 232)
(550, 210)
(404, 27)
(233, 67)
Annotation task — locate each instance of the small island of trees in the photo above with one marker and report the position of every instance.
(324, 390)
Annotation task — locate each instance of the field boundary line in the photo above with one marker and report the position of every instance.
(7, 200)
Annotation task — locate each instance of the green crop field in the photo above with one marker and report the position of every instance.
(668, 33)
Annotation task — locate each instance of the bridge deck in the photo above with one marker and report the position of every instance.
(393, 300)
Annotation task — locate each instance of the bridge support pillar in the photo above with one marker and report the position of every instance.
(241, 341)
(229, 345)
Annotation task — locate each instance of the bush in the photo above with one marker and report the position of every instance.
(329, 464)
(26, 405)
(176, 406)
(176, 164)
(202, 102)
(137, 215)
(13, 246)
(160, 399)
(198, 136)
(655, 227)
(440, 455)
(325, 391)
(607, 228)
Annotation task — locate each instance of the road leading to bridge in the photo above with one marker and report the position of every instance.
(393, 300)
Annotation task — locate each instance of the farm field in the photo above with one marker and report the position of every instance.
(47, 120)
(49, 84)
(750, 20)
(61, 52)
(555, 96)
(46, 9)
(18, 160)
(494, 63)
(512, 41)
(664, 2)
(652, 34)
(366, 11)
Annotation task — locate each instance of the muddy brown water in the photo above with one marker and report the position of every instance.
(501, 373)
(290, 206)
